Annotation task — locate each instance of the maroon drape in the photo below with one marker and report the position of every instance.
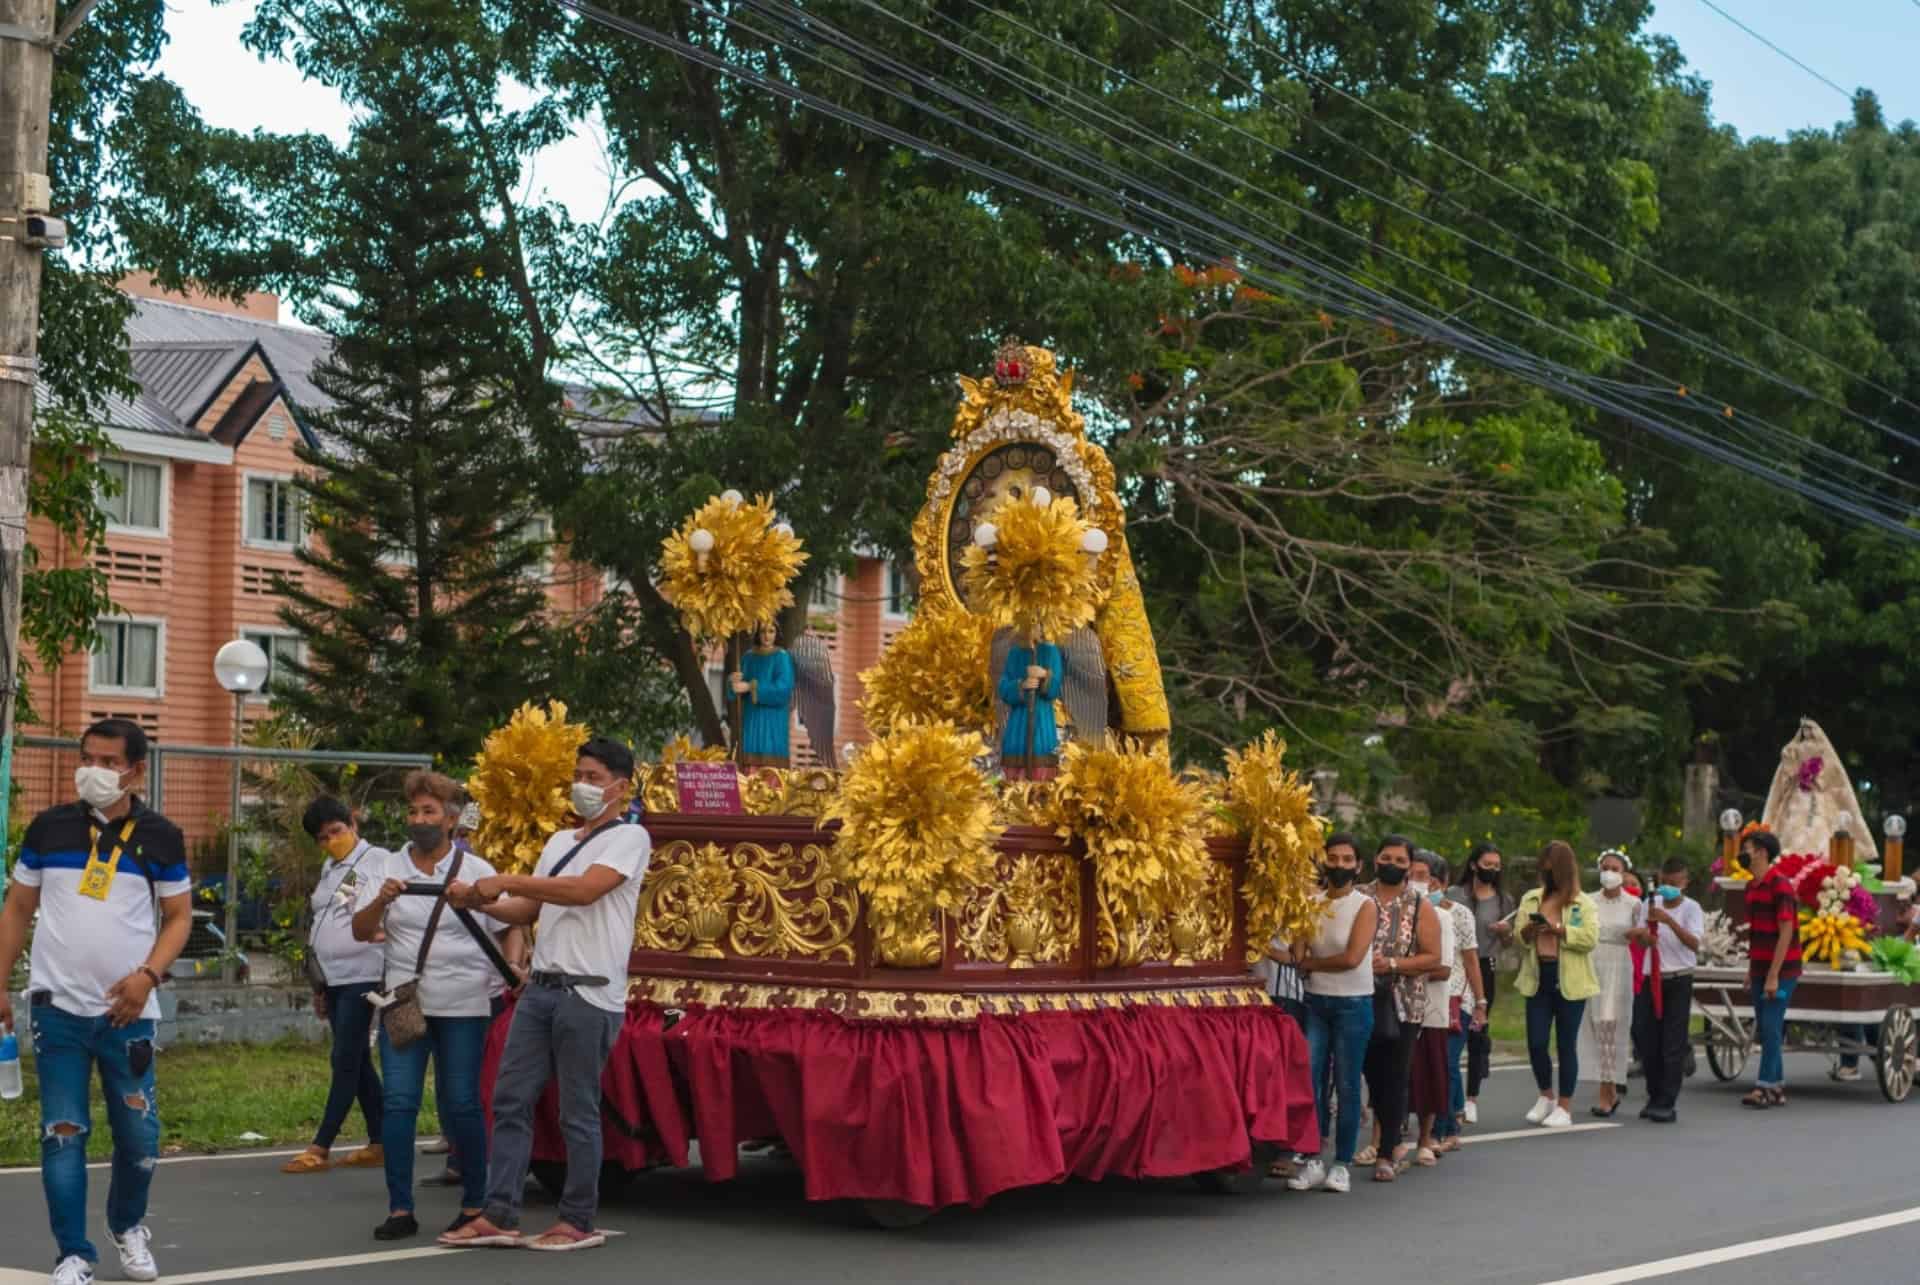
(939, 1113)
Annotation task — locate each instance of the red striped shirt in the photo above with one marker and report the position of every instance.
(1770, 903)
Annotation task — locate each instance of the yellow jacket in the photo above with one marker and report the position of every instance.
(1581, 919)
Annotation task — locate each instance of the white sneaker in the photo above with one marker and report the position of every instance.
(1308, 1176)
(136, 1254)
(1472, 1113)
(1338, 1180)
(73, 1270)
(1558, 1119)
(1540, 1110)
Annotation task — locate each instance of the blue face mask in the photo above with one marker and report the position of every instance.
(1436, 897)
(1668, 892)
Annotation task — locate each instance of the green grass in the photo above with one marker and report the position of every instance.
(210, 1095)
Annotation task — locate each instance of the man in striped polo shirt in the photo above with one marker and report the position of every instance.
(95, 870)
(1773, 962)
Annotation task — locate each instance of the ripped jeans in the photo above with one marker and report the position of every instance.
(65, 1049)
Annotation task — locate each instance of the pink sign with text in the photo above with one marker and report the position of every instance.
(712, 788)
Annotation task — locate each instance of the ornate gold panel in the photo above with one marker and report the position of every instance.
(1029, 915)
(900, 1005)
(763, 903)
(1199, 932)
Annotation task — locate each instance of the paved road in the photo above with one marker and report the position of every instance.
(1603, 1206)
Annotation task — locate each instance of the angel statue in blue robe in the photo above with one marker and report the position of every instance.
(768, 686)
(1070, 679)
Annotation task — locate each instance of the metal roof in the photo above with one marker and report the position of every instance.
(293, 352)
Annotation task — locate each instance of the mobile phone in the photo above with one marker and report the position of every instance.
(1537, 918)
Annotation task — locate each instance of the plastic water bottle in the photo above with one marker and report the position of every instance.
(11, 1085)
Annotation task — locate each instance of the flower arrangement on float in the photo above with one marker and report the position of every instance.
(728, 566)
(1273, 806)
(1144, 827)
(936, 668)
(520, 781)
(1837, 912)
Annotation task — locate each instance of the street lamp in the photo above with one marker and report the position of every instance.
(241, 668)
(1730, 838)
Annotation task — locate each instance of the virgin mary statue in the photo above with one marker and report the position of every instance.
(1809, 795)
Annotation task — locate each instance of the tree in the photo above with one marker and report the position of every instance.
(421, 488)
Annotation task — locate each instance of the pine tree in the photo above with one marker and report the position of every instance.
(423, 612)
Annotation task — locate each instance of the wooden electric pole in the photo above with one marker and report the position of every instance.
(26, 99)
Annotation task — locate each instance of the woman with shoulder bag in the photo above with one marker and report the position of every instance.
(1559, 927)
(437, 997)
(1406, 947)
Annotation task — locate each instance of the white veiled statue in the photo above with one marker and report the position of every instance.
(1804, 820)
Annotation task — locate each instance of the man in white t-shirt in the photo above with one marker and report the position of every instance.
(95, 870)
(583, 895)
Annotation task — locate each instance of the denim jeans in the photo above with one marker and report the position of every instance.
(1770, 1017)
(65, 1050)
(457, 1046)
(1338, 1028)
(1548, 1012)
(1863, 1034)
(351, 1017)
(556, 1036)
(1449, 1122)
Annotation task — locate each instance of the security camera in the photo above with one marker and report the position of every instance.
(44, 232)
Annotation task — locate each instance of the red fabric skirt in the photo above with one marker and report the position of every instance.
(950, 1112)
(1429, 1090)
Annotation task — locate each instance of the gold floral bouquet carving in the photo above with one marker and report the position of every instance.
(1029, 916)
(519, 782)
(1144, 831)
(916, 832)
(762, 903)
(1273, 807)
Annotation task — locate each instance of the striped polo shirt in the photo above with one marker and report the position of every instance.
(82, 946)
(1770, 902)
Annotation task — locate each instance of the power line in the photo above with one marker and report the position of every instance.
(1307, 73)
(1844, 93)
(1352, 298)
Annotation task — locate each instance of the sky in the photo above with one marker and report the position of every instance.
(1755, 89)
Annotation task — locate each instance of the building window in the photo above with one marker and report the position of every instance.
(139, 503)
(538, 532)
(899, 590)
(127, 657)
(826, 594)
(273, 512)
(283, 650)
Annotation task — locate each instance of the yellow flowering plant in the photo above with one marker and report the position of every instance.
(742, 579)
(520, 783)
(916, 818)
(1274, 807)
(1144, 827)
(1036, 578)
(936, 669)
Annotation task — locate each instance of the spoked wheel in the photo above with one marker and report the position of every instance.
(1726, 1054)
(1894, 1061)
(895, 1215)
(1240, 1182)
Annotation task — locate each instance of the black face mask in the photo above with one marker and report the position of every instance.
(426, 838)
(1392, 876)
(1486, 874)
(1338, 876)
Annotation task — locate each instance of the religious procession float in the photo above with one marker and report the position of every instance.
(1004, 944)
(1861, 976)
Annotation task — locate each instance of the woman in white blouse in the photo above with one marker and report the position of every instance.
(455, 994)
(1602, 1046)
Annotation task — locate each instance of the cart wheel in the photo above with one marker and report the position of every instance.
(1726, 1058)
(895, 1215)
(1894, 1062)
(1240, 1182)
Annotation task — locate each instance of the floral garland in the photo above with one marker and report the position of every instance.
(1274, 808)
(520, 782)
(1809, 774)
(917, 826)
(1144, 827)
(740, 580)
(1829, 928)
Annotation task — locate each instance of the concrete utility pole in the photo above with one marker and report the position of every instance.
(26, 96)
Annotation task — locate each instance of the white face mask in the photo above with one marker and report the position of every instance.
(1611, 879)
(98, 787)
(1420, 887)
(589, 801)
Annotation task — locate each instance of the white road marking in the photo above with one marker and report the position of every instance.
(15, 1276)
(1534, 1132)
(1750, 1249)
(188, 1160)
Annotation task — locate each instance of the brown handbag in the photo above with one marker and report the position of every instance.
(405, 1021)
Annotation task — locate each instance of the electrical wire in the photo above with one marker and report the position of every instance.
(1352, 298)
(1830, 84)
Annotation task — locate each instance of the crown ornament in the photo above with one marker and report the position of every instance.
(1010, 365)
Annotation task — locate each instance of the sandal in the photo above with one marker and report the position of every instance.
(371, 1156)
(477, 1233)
(1384, 1173)
(1776, 1097)
(1366, 1155)
(1281, 1169)
(1759, 1100)
(1447, 1145)
(308, 1162)
(564, 1236)
(1426, 1158)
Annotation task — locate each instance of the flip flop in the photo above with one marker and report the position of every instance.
(307, 1162)
(495, 1239)
(1426, 1158)
(558, 1241)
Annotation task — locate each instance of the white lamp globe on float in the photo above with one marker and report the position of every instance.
(1094, 542)
(1896, 827)
(1730, 820)
(700, 540)
(1042, 497)
(733, 497)
(986, 535)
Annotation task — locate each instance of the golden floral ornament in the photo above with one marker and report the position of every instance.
(916, 820)
(936, 669)
(1273, 806)
(728, 567)
(520, 782)
(1144, 828)
(1029, 569)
